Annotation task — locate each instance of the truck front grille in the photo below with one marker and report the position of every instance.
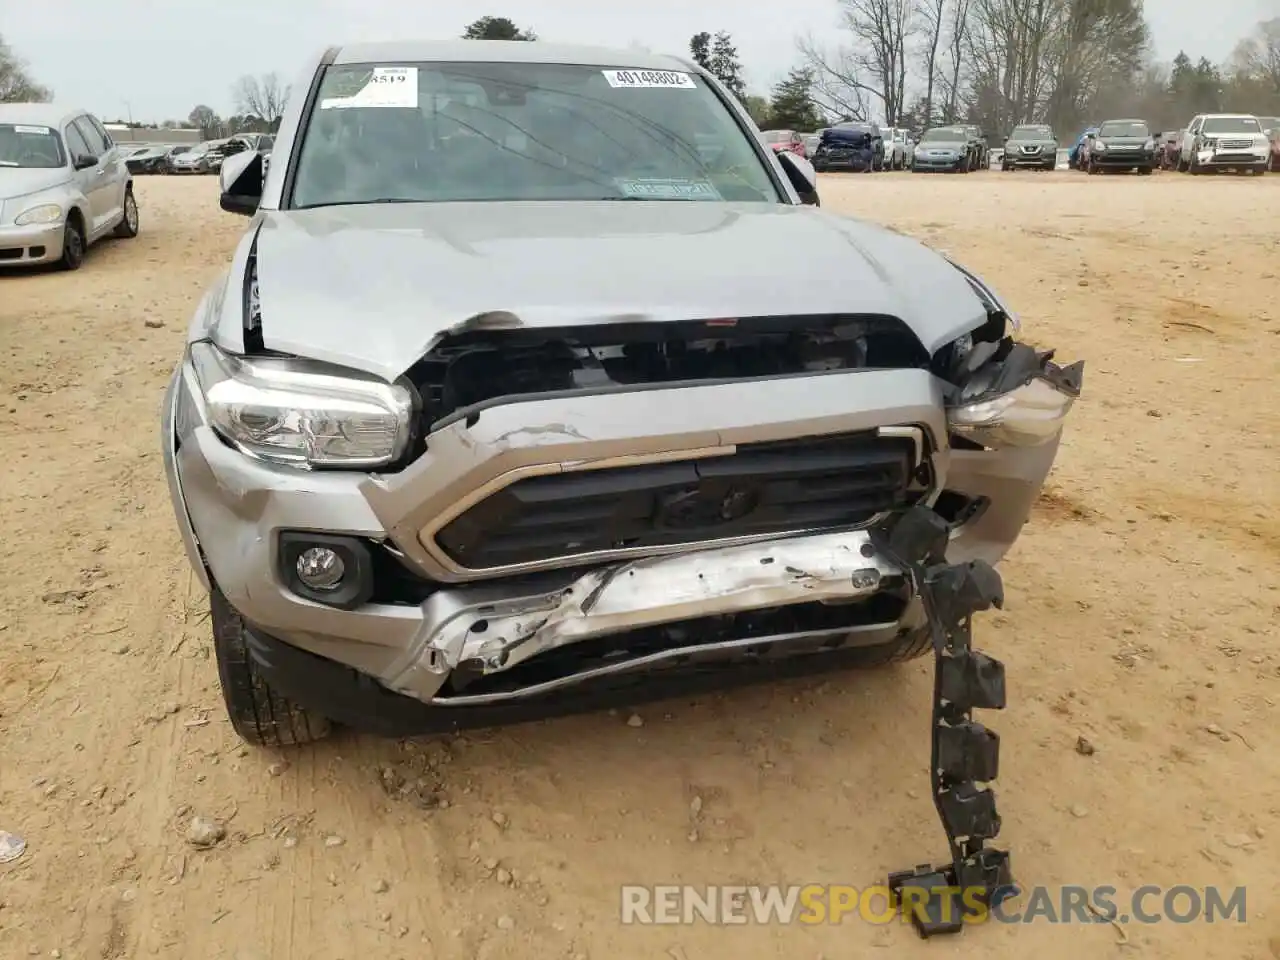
(812, 483)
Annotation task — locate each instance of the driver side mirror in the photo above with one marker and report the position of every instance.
(802, 176)
(83, 161)
(240, 180)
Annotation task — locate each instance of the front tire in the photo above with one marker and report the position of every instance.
(127, 228)
(73, 245)
(259, 714)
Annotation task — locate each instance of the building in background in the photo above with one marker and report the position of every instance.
(123, 133)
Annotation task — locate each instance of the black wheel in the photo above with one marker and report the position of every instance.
(1259, 171)
(1091, 168)
(258, 714)
(1006, 167)
(1146, 171)
(73, 244)
(127, 228)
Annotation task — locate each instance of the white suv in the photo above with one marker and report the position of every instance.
(1224, 141)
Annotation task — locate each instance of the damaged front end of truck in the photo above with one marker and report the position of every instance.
(537, 513)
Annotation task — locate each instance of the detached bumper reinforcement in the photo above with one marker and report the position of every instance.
(964, 754)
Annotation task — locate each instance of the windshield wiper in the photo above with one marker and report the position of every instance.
(358, 203)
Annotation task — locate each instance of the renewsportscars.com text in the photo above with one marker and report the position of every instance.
(829, 903)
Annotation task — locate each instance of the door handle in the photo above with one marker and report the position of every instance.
(102, 171)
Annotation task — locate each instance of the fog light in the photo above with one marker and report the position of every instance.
(321, 568)
(325, 568)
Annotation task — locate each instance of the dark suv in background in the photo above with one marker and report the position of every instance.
(1122, 145)
(850, 146)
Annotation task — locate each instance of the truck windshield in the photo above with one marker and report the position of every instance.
(421, 132)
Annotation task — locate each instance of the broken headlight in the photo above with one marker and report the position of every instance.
(1018, 398)
(302, 413)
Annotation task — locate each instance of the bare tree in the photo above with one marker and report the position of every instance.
(932, 13)
(16, 85)
(263, 97)
(206, 121)
(836, 89)
(957, 42)
(880, 30)
(1257, 58)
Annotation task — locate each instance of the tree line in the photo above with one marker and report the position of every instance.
(911, 63)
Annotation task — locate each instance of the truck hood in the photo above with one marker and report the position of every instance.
(372, 286)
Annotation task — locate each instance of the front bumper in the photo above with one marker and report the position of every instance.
(29, 246)
(855, 161)
(1016, 158)
(1123, 160)
(231, 511)
(927, 162)
(1235, 159)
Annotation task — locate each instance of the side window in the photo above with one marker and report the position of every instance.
(107, 142)
(76, 142)
(1195, 125)
(90, 135)
(266, 143)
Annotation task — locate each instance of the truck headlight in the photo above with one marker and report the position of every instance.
(302, 413)
(1100, 146)
(45, 213)
(1019, 400)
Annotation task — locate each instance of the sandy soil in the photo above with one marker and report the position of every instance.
(1141, 615)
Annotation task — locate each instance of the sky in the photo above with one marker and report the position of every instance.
(155, 61)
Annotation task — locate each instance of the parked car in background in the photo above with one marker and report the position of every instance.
(63, 186)
(172, 152)
(194, 160)
(1271, 128)
(1030, 145)
(872, 130)
(1168, 143)
(1080, 147)
(811, 141)
(1122, 145)
(784, 140)
(979, 150)
(943, 149)
(897, 148)
(148, 160)
(1225, 141)
(412, 514)
(849, 146)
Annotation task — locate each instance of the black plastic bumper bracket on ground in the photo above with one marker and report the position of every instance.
(964, 754)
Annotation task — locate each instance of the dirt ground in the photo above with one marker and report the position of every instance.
(1143, 599)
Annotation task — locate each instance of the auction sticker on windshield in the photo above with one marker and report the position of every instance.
(386, 87)
(40, 131)
(655, 189)
(649, 78)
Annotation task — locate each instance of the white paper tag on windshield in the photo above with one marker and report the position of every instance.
(19, 128)
(387, 87)
(649, 78)
(655, 189)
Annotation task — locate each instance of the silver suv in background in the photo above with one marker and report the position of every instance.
(63, 186)
(1030, 145)
(1225, 141)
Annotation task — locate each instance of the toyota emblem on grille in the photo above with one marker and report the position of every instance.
(701, 507)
